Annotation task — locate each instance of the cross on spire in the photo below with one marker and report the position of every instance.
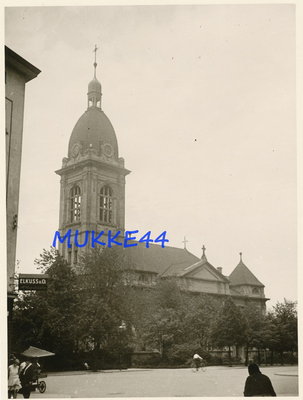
(95, 63)
(203, 249)
(184, 242)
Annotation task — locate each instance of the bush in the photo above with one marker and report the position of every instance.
(288, 358)
(145, 359)
(215, 360)
(179, 354)
(231, 361)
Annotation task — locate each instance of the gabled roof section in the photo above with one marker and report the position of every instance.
(156, 259)
(241, 275)
(203, 264)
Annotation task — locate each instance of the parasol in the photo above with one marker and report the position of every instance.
(36, 352)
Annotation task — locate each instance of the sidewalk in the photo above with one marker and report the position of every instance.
(38, 395)
(99, 371)
(287, 373)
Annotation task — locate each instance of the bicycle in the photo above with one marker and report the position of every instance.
(196, 368)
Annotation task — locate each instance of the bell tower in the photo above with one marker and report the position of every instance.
(92, 192)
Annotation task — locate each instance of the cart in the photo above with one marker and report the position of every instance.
(39, 384)
(35, 352)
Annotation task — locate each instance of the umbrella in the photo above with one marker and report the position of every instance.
(36, 352)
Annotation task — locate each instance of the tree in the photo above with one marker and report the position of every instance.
(82, 308)
(283, 320)
(168, 294)
(254, 328)
(45, 318)
(103, 306)
(269, 339)
(161, 324)
(229, 327)
(175, 322)
(198, 316)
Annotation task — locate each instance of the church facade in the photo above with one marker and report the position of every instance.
(92, 198)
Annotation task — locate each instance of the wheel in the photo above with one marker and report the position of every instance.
(42, 386)
(194, 367)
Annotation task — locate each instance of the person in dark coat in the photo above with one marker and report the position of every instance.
(26, 377)
(257, 384)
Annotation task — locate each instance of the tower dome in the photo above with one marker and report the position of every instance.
(93, 129)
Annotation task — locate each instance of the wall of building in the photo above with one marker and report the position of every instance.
(14, 102)
(198, 285)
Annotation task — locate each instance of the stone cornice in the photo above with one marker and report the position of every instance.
(93, 162)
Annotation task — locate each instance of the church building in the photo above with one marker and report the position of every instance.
(92, 197)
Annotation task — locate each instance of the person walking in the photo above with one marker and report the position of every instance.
(257, 384)
(11, 359)
(14, 383)
(26, 378)
(36, 369)
(22, 366)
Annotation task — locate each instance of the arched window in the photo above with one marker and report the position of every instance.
(69, 256)
(75, 204)
(256, 291)
(106, 205)
(75, 255)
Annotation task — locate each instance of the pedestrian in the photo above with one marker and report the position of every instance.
(26, 378)
(11, 359)
(14, 383)
(197, 360)
(257, 384)
(36, 368)
(22, 366)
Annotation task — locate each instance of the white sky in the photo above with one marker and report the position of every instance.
(202, 99)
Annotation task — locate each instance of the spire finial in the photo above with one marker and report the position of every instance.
(240, 256)
(94, 91)
(184, 242)
(203, 254)
(95, 63)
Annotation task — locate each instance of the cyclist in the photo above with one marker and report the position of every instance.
(197, 360)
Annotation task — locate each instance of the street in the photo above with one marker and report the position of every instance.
(215, 381)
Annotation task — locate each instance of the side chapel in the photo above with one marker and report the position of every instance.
(92, 197)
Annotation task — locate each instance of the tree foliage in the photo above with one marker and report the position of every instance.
(83, 310)
(282, 329)
(229, 325)
(103, 292)
(45, 318)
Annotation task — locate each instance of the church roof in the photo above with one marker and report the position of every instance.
(241, 275)
(204, 263)
(92, 130)
(160, 260)
(170, 261)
